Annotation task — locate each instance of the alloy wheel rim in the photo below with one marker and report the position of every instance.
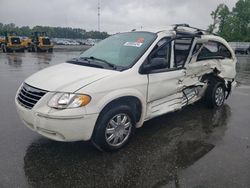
(118, 129)
(219, 96)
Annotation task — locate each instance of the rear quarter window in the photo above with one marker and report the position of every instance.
(213, 50)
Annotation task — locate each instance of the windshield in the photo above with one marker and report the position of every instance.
(121, 50)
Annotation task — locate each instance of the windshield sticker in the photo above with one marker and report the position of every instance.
(140, 40)
(134, 44)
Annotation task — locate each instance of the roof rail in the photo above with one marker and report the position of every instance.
(198, 30)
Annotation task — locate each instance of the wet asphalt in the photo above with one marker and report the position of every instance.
(196, 147)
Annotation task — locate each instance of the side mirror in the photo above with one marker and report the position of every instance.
(154, 63)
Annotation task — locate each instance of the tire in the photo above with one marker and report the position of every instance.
(4, 48)
(114, 128)
(9, 50)
(215, 95)
(50, 50)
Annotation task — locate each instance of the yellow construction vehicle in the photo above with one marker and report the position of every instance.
(2, 40)
(26, 42)
(41, 42)
(12, 43)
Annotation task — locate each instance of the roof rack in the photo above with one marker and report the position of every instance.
(197, 31)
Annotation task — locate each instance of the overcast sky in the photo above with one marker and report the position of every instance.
(116, 15)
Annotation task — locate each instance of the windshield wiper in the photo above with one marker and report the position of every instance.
(101, 60)
(84, 62)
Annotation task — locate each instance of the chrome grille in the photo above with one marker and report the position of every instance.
(28, 96)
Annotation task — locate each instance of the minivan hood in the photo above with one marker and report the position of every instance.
(66, 77)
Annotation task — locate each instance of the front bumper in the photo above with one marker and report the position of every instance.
(15, 47)
(60, 128)
(45, 47)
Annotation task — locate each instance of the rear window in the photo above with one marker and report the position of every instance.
(46, 41)
(15, 40)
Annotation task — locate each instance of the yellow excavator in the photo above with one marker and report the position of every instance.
(12, 43)
(40, 42)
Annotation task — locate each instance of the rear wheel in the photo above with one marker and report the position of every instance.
(114, 128)
(215, 95)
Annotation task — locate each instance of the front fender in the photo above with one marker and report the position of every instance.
(100, 102)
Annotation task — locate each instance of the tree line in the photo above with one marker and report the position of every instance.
(233, 25)
(55, 32)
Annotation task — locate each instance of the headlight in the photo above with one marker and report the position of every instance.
(68, 100)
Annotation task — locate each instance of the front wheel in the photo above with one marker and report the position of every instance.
(215, 95)
(114, 128)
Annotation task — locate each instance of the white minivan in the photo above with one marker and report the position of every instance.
(125, 80)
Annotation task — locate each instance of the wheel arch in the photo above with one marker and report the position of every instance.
(213, 77)
(132, 101)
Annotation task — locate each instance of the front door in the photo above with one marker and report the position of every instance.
(166, 84)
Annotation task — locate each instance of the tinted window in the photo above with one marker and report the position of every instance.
(213, 50)
(223, 51)
(182, 49)
(15, 40)
(162, 50)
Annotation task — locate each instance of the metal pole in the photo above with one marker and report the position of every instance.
(98, 14)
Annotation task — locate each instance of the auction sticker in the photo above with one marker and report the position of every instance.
(134, 44)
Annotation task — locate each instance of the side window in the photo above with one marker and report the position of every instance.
(181, 50)
(213, 50)
(162, 50)
(223, 51)
(209, 51)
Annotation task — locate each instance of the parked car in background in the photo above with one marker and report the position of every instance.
(242, 49)
(66, 42)
(74, 43)
(89, 42)
(125, 80)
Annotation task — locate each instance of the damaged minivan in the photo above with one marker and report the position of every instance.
(114, 87)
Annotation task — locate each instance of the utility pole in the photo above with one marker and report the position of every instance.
(98, 14)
